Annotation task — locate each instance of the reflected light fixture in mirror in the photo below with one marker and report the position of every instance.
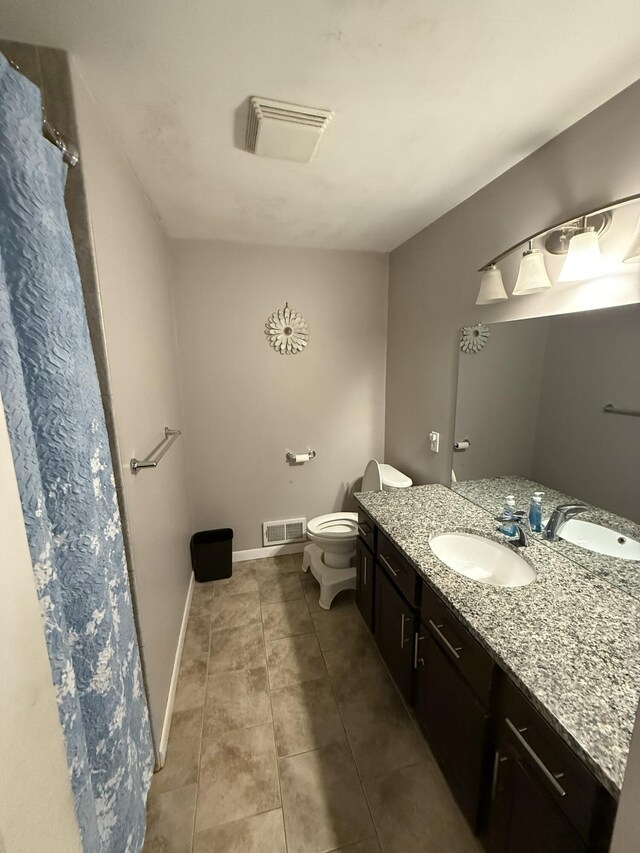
(633, 252)
(491, 287)
(532, 275)
(583, 258)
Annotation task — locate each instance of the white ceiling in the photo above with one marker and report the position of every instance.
(432, 99)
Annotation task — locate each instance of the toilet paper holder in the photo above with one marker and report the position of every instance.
(296, 457)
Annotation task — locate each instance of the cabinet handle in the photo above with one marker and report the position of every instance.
(497, 761)
(403, 619)
(416, 642)
(548, 775)
(386, 563)
(364, 570)
(454, 650)
(362, 531)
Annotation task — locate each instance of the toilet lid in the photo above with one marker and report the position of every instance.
(394, 478)
(372, 479)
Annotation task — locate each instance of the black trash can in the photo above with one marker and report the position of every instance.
(211, 554)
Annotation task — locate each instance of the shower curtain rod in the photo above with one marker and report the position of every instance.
(69, 151)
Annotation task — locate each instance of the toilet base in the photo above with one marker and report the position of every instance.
(332, 581)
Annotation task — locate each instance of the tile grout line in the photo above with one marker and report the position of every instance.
(204, 703)
(273, 728)
(353, 757)
(347, 739)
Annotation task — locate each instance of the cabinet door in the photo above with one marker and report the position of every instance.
(394, 632)
(364, 583)
(455, 724)
(524, 818)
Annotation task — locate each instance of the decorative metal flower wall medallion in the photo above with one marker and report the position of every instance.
(473, 338)
(287, 331)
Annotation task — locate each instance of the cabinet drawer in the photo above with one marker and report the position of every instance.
(557, 768)
(399, 570)
(463, 650)
(366, 529)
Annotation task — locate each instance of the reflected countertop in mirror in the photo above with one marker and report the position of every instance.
(549, 404)
(489, 493)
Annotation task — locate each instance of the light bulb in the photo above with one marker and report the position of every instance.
(584, 260)
(633, 252)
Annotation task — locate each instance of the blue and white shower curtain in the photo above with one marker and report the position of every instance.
(61, 454)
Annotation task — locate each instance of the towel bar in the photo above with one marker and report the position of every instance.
(610, 409)
(170, 436)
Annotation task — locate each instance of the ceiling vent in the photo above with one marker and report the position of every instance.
(285, 131)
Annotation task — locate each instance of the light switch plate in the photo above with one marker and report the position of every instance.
(434, 441)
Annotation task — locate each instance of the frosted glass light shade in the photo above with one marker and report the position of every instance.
(583, 258)
(532, 275)
(491, 287)
(633, 252)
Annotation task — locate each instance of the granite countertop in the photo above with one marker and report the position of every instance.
(489, 493)
(570, 639)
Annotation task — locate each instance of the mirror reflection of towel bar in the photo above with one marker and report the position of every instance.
(158, 452)
(610, 409)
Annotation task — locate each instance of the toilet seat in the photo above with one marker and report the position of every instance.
(334, 525)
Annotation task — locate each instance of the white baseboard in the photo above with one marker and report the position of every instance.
(269, 551)
(166, 726)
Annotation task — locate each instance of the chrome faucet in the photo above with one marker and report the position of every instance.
(559, 518)
(523, 528)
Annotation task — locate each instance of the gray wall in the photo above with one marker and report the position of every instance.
(433, 284)
(246, 405)
(497, 406)
(133, 266)
(591, 359)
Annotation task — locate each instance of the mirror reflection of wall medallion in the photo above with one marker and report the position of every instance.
(473, 338)
(287, 331)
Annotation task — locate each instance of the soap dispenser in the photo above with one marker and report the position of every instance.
(535, 512)
(508, 527)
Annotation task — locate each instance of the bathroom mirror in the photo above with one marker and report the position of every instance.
(551, 403)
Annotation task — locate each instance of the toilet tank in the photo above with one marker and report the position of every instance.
(394, 479)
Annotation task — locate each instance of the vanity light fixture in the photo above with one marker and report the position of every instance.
(583, 258)
(576, 237)
(633, 252)
(532, 275)
(491, 287)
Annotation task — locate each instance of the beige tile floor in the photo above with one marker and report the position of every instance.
(288, 735)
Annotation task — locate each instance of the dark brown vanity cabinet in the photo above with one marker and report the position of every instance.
(519, 785)
(365, 579)
(543, 797)
(453, 688)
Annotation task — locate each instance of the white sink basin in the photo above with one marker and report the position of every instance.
(481, 559)
(600, 539)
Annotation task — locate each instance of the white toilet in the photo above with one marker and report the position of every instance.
(333, 536)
